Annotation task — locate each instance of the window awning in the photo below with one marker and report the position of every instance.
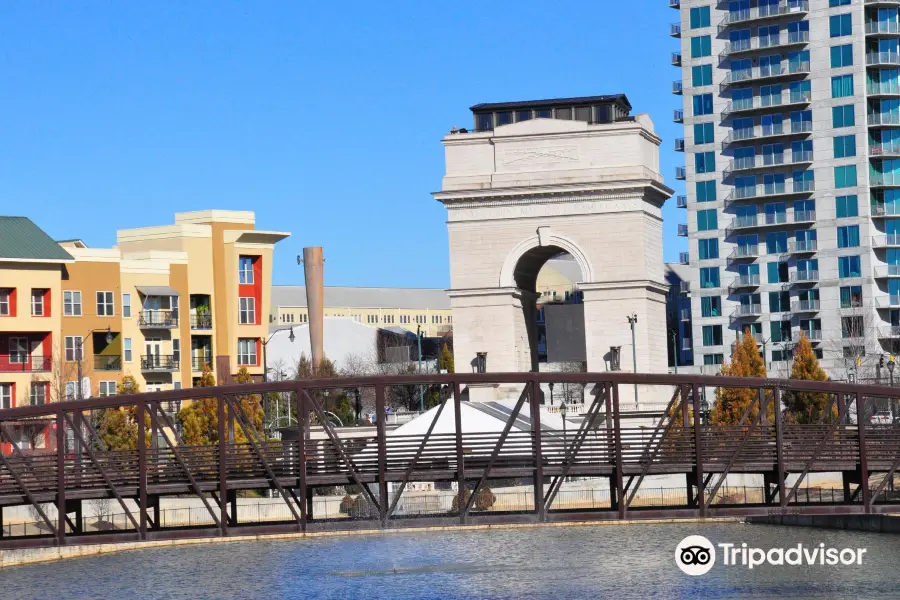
(156, 290)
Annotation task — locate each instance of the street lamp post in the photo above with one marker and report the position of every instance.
(551, 393)
(265, 344)
(632, 320)
(563, 409)
(357, 405)
(421, 390)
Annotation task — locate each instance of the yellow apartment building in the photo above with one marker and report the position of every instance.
(157, 306)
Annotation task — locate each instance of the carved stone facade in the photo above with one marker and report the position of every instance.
(525, 192)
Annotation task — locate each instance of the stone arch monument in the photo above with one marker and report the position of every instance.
(520, 193)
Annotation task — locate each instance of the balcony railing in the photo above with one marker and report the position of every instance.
(680, 173)
(802, 246)
(763, 220)
(887, 271)
(804, 216)
(678, 116)
(876, 27)
(804, 276)
(885, 88)
(764, 11)
(676, 59)
(677, 87)
(675, 30)
(762, 161)
(801, 67)
(768, 131)
(159, 363)
(764, 43)
(682, 229)
(743, 252)
(744, 281)
(201, 321)
(882, 58)
(158, 319)
(686, 344)
(891, 240)
(888, 118)
(675, 4)
(684, 258)
(767, 101)
(892, 301)
(684, 287)
(805, 306)
(681, 201)
(23, 363)
(679, 144)
(879, 180)
(884, 150)
(197, 362)
(889, 332)
(685, 314)
(746, 310)
(814, 335)
(107, 363)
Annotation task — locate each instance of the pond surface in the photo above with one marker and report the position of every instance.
(559, 563)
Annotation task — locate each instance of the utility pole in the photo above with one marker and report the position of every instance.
(632, 320)
(421, 391)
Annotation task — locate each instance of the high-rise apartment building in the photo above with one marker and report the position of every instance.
(791, 112)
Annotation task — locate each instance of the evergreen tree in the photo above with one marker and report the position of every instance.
(731, 403)
(806, 407)
(445, 362)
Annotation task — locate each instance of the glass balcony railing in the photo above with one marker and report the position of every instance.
(744, 281)
(804, 216)
(682, 229)
(684, 287)
(744, 252)
(882, 58)
(764, 11)
(805, 306)
(765, 42)
(802, 246)
(880, 149)
(746, 310)
(676, 59)
(804, 276)
(681, 201)
(892, 301)
(765, 72)
(765, 131)
(678, 116)
(887, 271)
(879, 180)
(679, 144)
(813, 335)
(769, 160)
(677, 88)
(877, 27)
(684, 258)
(680, 173)
(675, 30)
(768, 190)
(891, 240)
(766, 101)
(888, 118)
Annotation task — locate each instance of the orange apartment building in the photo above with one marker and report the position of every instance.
(157, 306)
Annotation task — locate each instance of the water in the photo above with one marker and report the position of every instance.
(621, 561)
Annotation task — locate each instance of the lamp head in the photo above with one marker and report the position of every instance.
(291, 336)
(563, 409)
(109, 335)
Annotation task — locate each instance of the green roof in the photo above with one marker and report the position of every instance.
(22, 240)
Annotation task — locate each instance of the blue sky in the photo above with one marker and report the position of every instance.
(325, 118)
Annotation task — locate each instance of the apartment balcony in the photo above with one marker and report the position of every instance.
(783, 101)
(745, 311)
(805, 306)
(677, 87)
(877, 180)
(23, 363)
(895, 3)
(804, 216)
(746, 252)
(201, 322)
(684, 287)
(685, 314)
(882, 28)
(675, 30)
(197, 362)
(684, 258)
(885, 211)
(679, 144)
(802, 247)
(882, 90)
(855, 307)
(884, 151)
(891, 240)
(676, 4)
(887, 119)
(764, 12)
(879, 59)
(680, 173)
(889, 333)
(756, 222)
(805, 276)
(790, 128)
(103, 362)
(814, 336)
(682, 230)
(681, 201)
(757, 44)
(743, 282)
(768, 73)
(686, 344)
(768, 161)
(892, 301)
(678, 116)
(676, 59)
(159, 364)
(158, 319)
(769, 192)
(887, 272)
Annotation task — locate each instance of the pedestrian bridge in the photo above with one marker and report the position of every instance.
(446, 470)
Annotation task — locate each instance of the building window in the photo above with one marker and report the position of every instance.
(74, 348)
(247, 313)
(842, 86)
(4, 302)
(835, 3)
(699, 17)
(846, 206)
(849, 266)
(18, 350)
(840, 25)
(107, 388)
(707, 220)
(246, 269)
(176, 350)
(703, 105)
(713, 359)
(71, 390)
(701, 46)
(709, 277)
(845, 146)
(703, 133)
(701, 75)
(708, 248)
(247, 352)
(779, 302)
(841, 56)
(711, 306)
(848, 236)
(126, 349)
(712, 335)
(37, 303)
(851, 296)
(845, 176)
(705, 162)
(843, 116)
(126, 305)
(39, 392)
(706, 191)
(6, 395)
(105, 304)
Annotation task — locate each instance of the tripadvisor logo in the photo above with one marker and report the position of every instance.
(696, 555)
